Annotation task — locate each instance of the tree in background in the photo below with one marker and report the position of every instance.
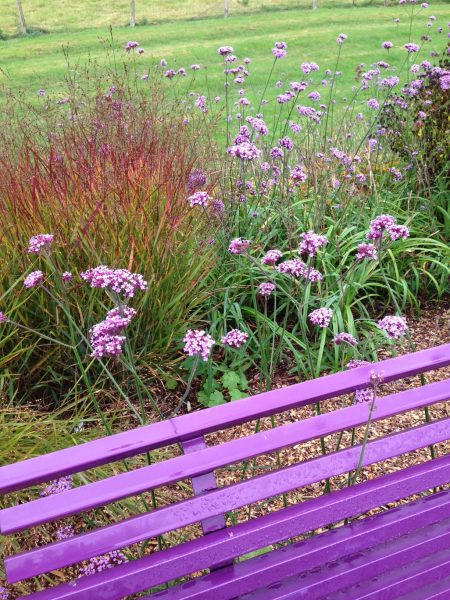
(132, 13)
(22, 24)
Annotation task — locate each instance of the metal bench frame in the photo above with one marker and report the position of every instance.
(356, 559)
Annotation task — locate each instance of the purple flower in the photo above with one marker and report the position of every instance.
(271, 257)
(314, 96)
(199, 199)
(286, 142)
(57, 486)
(39, 243)
(258, 125)
(244, 151)
(238, 246)
(33, 279)
(397, 232)
(198, 343)
(120, 281)
(366, 251)
(387, 45)
(379, 225)
(373, 103)
(106, 337)
(196, 180)
(266, 288)
(321, 317)
(311, 242)
(195, 67)
(298, 175)
(276, 153)
(217, 207)
(341, 38)
(67, 276)
(224, 50)
(394, 327)
(411, 48)
(234, 338)
(279, 50)
(344, 338)
(130, 46)
(64, 532)
(293, 267)
(3, 317)
(101, 563)
(201, 104)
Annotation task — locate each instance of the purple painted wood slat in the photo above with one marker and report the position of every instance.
(411, 553)
(407, 578)
(129, 443)
(135, 529)
(438, 590)
(203, 461)
(198, 554)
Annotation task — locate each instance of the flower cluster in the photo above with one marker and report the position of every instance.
(344, 338)
(393, 326)
(106, 337)
(244, 151)
(266, 288)
(199, 199)
(279, 49)
(40, 243)
(387, 223)
(311, 242)
(33, 279)
(234, 338)
(297, 268)
(3, 317)
(101, 563)
(321, 316)
(238, 246)
(366, 251)
(196, 180)
(364, 394)
(271, 257)
(57, 486)
(198, 343)
(120, 281)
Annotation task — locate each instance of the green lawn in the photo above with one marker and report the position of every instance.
(37, 61)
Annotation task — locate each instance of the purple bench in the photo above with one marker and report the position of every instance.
(399, 553)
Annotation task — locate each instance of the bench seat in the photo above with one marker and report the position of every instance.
(366, 556)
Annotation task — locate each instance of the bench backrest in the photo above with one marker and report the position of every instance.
(209, 503)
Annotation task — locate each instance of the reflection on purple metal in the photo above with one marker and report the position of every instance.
(129, 443)
(196, 555)
(196, 509)
(205, 460)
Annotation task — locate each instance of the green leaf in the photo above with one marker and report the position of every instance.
(231, 380)
(255, 553)
(171, 384)
(237, 394)
(213, 399)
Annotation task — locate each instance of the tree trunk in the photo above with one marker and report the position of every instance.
(132, 13)
(225, 9)
(22, 24)
(314, 4)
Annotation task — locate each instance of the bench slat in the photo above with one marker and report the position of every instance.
(393, 564)
(438, 590)
(129, 443)
(135, 529)
(275, 527)
(203, 461)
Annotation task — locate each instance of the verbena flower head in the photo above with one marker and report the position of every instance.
(39, 243)
(199, 199)
(373, 103)
(311, 242)
(120, 281)
(279, 49)
(196, 180)
(397, 232)
(379, 225)
(238, 246)
(298, 175)
(411, 48)
(3, 593)
(198, 343)
(245, 151)
(366, 251)
(365, 394)
(131, 46)
(67, 276)
(3, 317)
(266, 288)
(234, 338)
(271, 257)
(106, 337)
(64, 532)
(292, 266)
(57, 486)
(101, 563)
(321, 317)
(33, 279)
(394, 327)
(217, 208)
(341, 38)
(344, 338)
(387, 45)
(224, 50)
